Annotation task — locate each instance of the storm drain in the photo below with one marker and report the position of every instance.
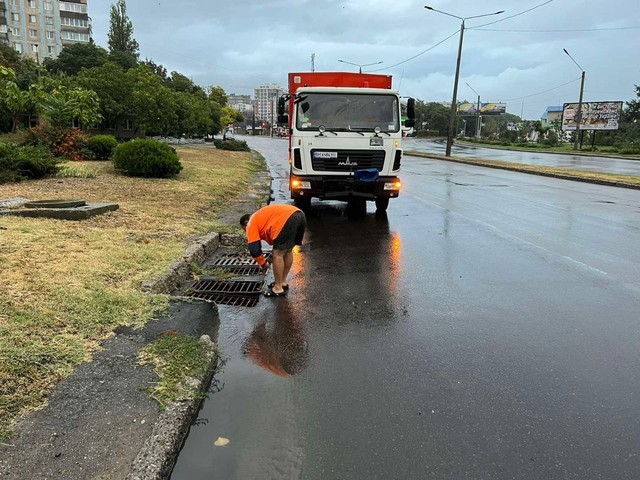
(233, 260)
(223, 292)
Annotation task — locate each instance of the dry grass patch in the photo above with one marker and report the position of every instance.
(67, 285)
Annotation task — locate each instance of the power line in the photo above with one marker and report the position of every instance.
(540, 93)
(416, 56)
(558, 30)
(512, 16)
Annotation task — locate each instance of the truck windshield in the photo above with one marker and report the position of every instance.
(357, 112)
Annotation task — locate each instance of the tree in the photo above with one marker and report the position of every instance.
(113, 87)
(13, 99)
(76, 56)
(121, 30)
(218, 95)
(9, 58)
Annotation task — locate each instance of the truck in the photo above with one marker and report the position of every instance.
(345, 137)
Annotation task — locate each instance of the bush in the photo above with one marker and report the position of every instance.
(68, 143)
(102, 146)
(19, 163)
(147, 158)
(233, 145)
(630, 151)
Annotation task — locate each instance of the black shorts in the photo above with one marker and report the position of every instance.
(291, 233)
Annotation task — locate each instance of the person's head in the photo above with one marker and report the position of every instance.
(244, 220)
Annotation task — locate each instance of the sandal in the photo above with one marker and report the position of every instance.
(284, 287)
(271, 293)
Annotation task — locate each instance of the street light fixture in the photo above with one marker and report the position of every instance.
(478, 121)
(361, 65)
(454, 103)
(579, 119)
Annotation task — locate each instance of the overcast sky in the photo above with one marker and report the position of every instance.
(240, 44)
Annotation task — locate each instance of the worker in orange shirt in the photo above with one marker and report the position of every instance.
(281, 226)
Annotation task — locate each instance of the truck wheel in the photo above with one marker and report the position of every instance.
(303, 203)
(381, 204)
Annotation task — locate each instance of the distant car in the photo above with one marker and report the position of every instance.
(228, 135)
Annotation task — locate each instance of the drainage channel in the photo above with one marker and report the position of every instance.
(236, 292)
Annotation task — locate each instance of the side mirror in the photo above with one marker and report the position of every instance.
(411, 113)
(281, 107)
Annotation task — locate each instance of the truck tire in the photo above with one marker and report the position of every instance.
(381, 204)
(303, 203)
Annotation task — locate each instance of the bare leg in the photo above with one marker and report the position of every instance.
(288, 261)
(277, 257)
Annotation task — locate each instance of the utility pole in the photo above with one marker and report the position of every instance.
(313, 62)
(478, 118)
(454, 101)
(578, 120)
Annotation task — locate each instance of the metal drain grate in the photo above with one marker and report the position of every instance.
(241, 269)
(241, 294)
(231, 259)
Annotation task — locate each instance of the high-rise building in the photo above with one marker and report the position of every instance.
(267, 102)
(40, 28)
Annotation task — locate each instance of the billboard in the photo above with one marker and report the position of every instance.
(595, 116)
(485, 108)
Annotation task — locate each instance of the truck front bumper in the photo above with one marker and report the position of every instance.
(342, 187)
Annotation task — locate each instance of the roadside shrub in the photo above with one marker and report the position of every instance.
(102, 146)
(217, 143)
(630, 151)
(147, 158)
(233, 145)
(19, 163)
(67, 143)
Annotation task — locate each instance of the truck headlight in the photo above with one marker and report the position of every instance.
(397, 185)
(300, 185)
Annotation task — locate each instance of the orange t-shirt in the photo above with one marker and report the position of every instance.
(266, 224)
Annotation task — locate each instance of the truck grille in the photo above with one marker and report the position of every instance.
(348, 160)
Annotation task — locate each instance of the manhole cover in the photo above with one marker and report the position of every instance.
(236, 293)
(56, 204)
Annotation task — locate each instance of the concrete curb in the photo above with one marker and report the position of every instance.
(523, 169)
(157, 456)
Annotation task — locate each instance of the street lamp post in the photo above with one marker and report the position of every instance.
(359, 65)
(579, 119)
(478, 120)
(454, 103)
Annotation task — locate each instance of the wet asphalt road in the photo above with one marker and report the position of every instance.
(488, 328)
(575, 162)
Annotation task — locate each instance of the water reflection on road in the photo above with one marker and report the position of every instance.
(575, 162)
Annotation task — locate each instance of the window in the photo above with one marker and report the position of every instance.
(34, 48)
(16, 31)
(33, 33)
(48, 5)
(18, 47)
(48, 20)
(15, 17)
(51, 50)
(75, 22)
(14, 3)
(75, 36)
(51, 35)
(73, 7)
(33, 19)
(33, 4)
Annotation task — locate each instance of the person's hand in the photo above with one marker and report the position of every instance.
(265, 268)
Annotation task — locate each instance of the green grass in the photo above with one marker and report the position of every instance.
(69, 171)
(67, 285)
(176, 358)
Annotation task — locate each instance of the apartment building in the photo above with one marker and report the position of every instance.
(267, 101)
(40, 28)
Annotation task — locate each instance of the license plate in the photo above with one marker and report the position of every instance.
(325, 154)
(375, 142)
